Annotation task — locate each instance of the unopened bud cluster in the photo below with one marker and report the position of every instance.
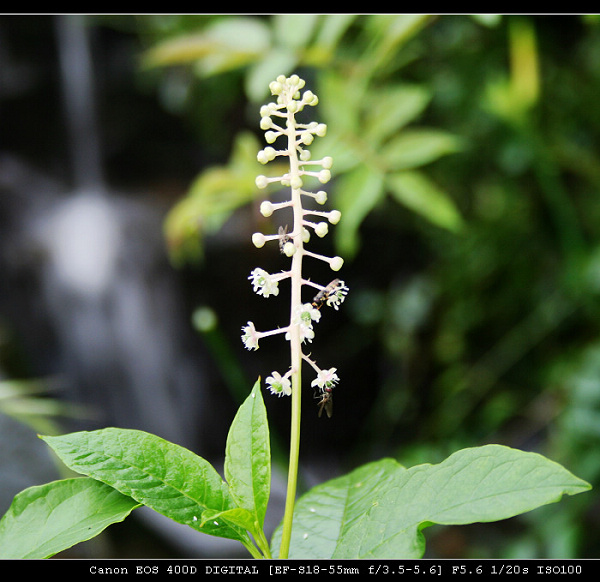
(278, 120)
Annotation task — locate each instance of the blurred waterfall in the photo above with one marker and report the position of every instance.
(79, 99)
(88, 289)
(109, 291)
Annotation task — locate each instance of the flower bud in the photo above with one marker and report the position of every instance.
(266, 208)
(334, 216)
(261, 182)
(336, 263)
(258, 240)
(321, 229)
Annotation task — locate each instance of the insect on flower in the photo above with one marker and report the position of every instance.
(284, 238)
(325, 294)
(326, 401)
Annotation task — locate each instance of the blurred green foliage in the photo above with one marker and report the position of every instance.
(466, 169)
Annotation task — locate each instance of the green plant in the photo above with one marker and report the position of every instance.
(376, 137)
(377, 511)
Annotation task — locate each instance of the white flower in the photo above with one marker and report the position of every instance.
(325, 379)
(279, 385)
(250, 336)
(303, 318)
(264, 284)
(334, 299)
(307, 314)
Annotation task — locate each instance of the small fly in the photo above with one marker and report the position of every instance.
(284, 238)
(326, 402)
(325, 294)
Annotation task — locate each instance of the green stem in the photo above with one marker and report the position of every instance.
(293, 467)
(253, 550)
(295, 342)
(263, 544)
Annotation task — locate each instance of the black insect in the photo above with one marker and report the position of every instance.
(326, 402)
(323, 295)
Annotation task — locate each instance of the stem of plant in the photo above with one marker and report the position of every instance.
(295, 348)
(290, 101)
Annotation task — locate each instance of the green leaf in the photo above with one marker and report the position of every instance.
(390, 109)
(417, 147)
(379, 510)
(294, 31)
(48, 519)
(163, 476)
(357, 192)
(248, 456)
(340, 103)
(213, 196)
(417, 192)
(239, 516)
(332, 29)
(224, 44)
(280, 61)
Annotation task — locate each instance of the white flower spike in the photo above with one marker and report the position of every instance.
(278, 121)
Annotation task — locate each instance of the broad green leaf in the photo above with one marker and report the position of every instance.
(47, 519)
(164, 476)
(417, 147)
(320, 514)
(248, 456)
(379, 510)
(417, 192)
(238, 516)
(357, 193)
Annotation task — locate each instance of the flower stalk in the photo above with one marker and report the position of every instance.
(278, 120)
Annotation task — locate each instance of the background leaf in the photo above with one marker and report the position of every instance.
(358, 192)
(379, 510)
(419, 193)
(391, 108)
(417, 147)
(48, 519)
(220, 46)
